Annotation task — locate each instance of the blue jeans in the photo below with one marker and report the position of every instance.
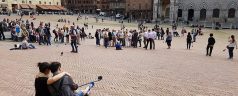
(97, 41)
(48, 40)
(79, 94)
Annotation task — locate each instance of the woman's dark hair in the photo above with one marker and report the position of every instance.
(189, 33)
(43, 66)
(233, 38)
(54, 66)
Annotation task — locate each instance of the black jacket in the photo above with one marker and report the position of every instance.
(63, 86)
(211, 41)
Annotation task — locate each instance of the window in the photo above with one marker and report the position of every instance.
(203, 13)
(50, 3)
(57, 3)
(30, 2)
(180, 12)
(231, 13)
(39, 2)
(3, 0)
(216, 13)
(23, 1)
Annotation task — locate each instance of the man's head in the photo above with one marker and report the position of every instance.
(211, 34)
(55, 67)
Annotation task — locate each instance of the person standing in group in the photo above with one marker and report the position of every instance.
(73, 36)
(150, 39)
(210, 45)
(66, 33)
(145, 35)
(162, 34)
(110, 38)
(78, 35)
(97, 36)
(114, 37)
(194, 32)
(184, 31)
(231, 46)
(140, 38)
(106, 39)
(48, 35)
(135, 39)
(158, 33)
(189, 40)
(167, 31)
(61, 35)
(2, 36)
(121, 37)
(56, 36)
(41, 35)
(169, 40)
(127, 39)
(153, 38)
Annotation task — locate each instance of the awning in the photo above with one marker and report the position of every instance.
(42, 7)
(3, 5)
(60, 7)
(32, 6)
(24, 6)
(51, 7)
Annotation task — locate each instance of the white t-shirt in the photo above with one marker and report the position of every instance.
(232, 44)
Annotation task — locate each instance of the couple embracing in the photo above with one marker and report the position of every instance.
(61, 84)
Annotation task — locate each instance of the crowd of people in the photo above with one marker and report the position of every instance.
(144, 37)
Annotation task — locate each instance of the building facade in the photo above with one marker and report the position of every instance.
(13, 5)
(196, 10)
(134, 9)
(80, 6)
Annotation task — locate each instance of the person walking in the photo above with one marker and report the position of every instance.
(210, 45)
(189, 40)
(231, 46)
(73, 36)
(169, 40)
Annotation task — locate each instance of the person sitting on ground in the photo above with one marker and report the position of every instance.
(118, 46)
(23, 45)
(65, 86)
(43, 79)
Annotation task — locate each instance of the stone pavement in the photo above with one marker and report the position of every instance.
(129, 72)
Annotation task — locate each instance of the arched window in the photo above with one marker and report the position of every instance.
(216, 13)
(231, 13)
(180, 13)
(190, 14)
(203, 13)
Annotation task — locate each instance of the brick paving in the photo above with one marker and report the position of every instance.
(129, 72)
